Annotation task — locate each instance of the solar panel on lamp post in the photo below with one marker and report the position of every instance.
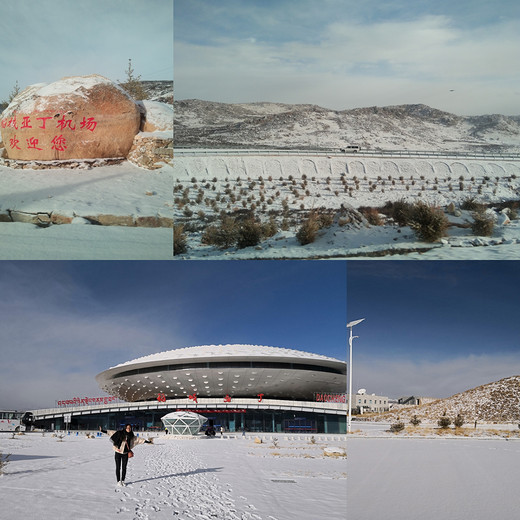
(350, 338)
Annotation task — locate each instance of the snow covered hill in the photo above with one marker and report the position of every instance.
(159, 91)
(403, 127)
(494, 402)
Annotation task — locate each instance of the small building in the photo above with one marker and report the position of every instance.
(363, 402)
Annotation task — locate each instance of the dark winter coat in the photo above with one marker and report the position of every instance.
(124, 441)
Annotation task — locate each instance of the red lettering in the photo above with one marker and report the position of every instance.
(63, 123)
(89, 124)
(14, 143)
(260, 397)
(12, 122)
(44, 119)
(193, 397)
(32, 143)
(25, 122)
(227, 399)
(58, 143)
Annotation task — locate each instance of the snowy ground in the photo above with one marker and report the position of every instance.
(228, 479)
(206, 184)
(84, 242)
(399, 478)
(122, 190)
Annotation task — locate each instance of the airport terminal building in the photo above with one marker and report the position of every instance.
(239, 387)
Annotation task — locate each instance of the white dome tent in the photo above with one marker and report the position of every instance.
(183, 423)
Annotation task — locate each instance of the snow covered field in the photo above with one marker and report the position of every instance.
(121, 190)
(396, 478)
(228, 479)
(84, 242)
(206, 184)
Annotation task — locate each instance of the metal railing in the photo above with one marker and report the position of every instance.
(422, 154)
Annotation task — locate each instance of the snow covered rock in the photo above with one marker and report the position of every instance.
(157, 116)
(334, 451)
(503, 217)
(80, 117)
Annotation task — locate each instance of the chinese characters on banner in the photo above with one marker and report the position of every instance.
(86, 401)
(227, 399)
(59, 142)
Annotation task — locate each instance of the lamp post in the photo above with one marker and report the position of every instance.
(350, 338)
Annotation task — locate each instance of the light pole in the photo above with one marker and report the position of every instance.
(350, 338)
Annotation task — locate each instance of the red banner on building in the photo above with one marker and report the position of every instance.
(330, 398)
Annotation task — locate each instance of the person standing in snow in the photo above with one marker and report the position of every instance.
(124, 441)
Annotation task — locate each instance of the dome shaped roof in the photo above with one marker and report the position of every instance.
(225, 351)
(219, 370)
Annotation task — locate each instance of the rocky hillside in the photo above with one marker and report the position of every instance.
(159, 91)
(494, 402)
(413, 127)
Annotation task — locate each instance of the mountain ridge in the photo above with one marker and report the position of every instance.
(200, 123)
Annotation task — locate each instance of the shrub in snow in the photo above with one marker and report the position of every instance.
(444, 422)
(415, 421)
(483, 224)
(471, 204)
(459, 421)
(223, 235)
(372, 216)
(249, 233)
(270, 228)
(308, 230)
(428, 222)
(397, 427)
(179, 240)
(400, 211)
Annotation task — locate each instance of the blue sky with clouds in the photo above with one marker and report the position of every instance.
(61, 323)
(455, 56)
(433, 328)
(45, 40)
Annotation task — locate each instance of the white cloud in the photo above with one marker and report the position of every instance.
(381, 63)
(401, 377)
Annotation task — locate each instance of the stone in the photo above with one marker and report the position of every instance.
(152, 150)
(81, 117)
(334, 452)
(156, 116)
(111, 220)
(59, 219)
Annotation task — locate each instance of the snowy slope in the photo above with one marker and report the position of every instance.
(413, 127)
(494, 402)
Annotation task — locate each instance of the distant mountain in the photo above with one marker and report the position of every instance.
(413, 127)
(159, 90)
(498, 401)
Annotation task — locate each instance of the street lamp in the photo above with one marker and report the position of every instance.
(349, 326)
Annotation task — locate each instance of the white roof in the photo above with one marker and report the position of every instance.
(226, 351)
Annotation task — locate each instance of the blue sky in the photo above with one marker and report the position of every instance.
(455, 56)
(45, 40)
(61, 323)
(433, 328)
